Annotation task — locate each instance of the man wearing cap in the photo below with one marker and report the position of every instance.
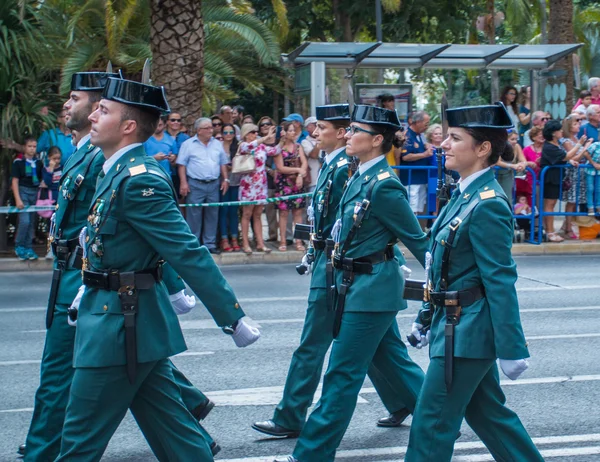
(298, 122)
(126, 327)
(317, 335)
(76, 192)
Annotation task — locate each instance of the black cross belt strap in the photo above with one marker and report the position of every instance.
(128, 294)
(64, 250)
(348, 273)
(329, 245)
(453, 309)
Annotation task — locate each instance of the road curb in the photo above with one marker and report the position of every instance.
(293, 256)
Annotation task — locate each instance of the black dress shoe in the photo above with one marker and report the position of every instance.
(395, 419)
(203, 410)
(215, 448)
(215, 251)
(287, 459)
(269, 427)
(21, 450)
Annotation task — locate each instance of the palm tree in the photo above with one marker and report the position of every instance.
(560, 30)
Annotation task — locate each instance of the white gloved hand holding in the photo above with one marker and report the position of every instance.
(75, 306)
(306, 263)
(182, 303)
(513, 368)
(416, 332)
(245, 334)
(406, 270)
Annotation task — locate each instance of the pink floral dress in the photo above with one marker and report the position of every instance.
(285, 184)
(253, 186)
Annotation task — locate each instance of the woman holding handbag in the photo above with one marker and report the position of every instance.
(250, 162)
(292, 169)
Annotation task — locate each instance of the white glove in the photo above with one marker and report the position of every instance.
(75, 305)
(307, 264)
(182, 303)
(245, 334)
(416, 332)
(406, 270)
(513, 368)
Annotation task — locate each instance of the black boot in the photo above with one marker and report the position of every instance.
(21, 450)
(395, 419)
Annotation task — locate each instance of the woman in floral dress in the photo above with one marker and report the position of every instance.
(292, 167)
(253, 186)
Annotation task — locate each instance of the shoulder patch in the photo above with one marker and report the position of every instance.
(133, 171)
(342, 162)
(487, 194)
(383, 176)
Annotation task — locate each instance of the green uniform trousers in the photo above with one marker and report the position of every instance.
(307, 363)
(476, 395)
(364, 338)
(51, 398)
(100, 398)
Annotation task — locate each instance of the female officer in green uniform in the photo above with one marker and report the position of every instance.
(369, 283)
(472, 297)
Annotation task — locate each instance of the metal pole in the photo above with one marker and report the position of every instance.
(378, 32)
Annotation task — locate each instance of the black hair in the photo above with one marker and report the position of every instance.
(389, 137)
(337, 124)
(146, 121)
(234, 142)
(551, 127)
(498, 138)
(94, 96)
(28, 139)
(164, 118)
(240, 109)
(585, 94)
(54, 150)
(505, 100)
(384, 98)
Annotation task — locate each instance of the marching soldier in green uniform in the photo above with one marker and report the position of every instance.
(373, 214)
(126, 326)
(471, 313)
(307, 362)
(76, 192)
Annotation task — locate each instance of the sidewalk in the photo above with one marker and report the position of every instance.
(574, 247)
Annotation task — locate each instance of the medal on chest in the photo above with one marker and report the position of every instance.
(97, 247)
(94, 218)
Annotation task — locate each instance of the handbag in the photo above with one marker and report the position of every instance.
(43, 203)
(243, 163)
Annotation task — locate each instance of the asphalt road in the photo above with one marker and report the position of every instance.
(558, 398)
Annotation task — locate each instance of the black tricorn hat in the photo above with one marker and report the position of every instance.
(489, 116)
(333, 112)
(374, 115)
(92, 81)
(137, 94)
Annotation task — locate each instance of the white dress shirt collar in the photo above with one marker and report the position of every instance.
(329, 157)
(463, 184)
(112, 160)
(362, 168)
(83, 140)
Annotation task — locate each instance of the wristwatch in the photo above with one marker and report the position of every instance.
(229, 330)
(228, 180)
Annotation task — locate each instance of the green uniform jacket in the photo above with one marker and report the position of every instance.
(86, 161)
(490, 328)
(325, 202)
(388, 219)
(133, 220)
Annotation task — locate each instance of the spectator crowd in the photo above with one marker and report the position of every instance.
(231, 156)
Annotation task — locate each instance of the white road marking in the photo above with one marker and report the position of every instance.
(18, 363)
(463, 446)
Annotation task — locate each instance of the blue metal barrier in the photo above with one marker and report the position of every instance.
(578, 185)
(431, 197)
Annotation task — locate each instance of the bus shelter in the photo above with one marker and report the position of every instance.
(314, 62)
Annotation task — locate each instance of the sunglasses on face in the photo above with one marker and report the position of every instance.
(216, 124)
(175, 120)
(266, 124)
(353, 129)
(545, 119)
(255, 132)
(228, 132)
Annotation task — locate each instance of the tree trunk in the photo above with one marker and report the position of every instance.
(560, 30)
(177, 40)
(491, 33)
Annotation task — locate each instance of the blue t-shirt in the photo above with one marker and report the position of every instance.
(55, 137)
(179, 139)
(414, 144)
(167, 145)
(590, 131)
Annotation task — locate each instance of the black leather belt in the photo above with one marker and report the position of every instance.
(363, 265)
(319, 244)
(457, 297)
(144, 279)
(204, 181)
